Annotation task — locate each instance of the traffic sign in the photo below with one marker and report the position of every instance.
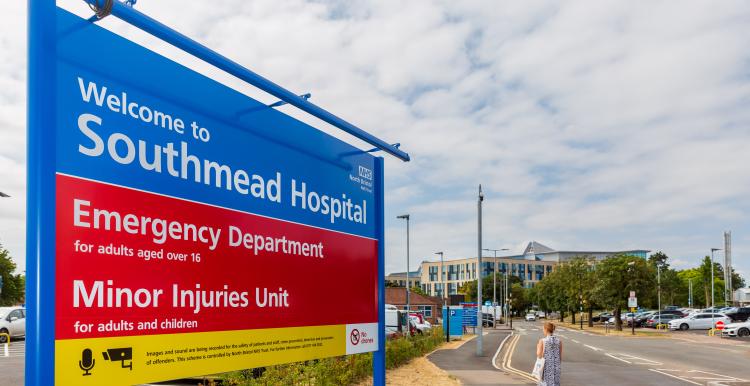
(632, 294)
(632, 302)
(720, 325)
(188, 222)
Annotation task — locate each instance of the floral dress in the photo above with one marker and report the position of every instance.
(551, 373)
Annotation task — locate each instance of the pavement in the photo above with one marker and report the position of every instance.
(463, 363)
(12, 366)
(675, 359)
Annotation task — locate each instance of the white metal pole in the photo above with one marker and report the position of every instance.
(408, 286)
(479, 276)
(658, 281)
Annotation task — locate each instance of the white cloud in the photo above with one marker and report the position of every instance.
(591, 125)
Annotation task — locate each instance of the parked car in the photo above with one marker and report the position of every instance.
(740, 315)
(736, 329)
(671, 308)
(642, 317)
(420, 323)
(700, 321)
(530, 317)
(488, 320)
(12, 322)
(655, 320)
(541, 315)
(602, 317)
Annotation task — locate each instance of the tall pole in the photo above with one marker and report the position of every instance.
(658, 283)
(480, 317)
(690, 293)
(507, 297)
(408, 286)
(442, 282)
(631, 265)
(713, 308)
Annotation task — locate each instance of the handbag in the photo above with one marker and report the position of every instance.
(538, 370)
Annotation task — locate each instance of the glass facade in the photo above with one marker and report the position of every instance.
(433, 273)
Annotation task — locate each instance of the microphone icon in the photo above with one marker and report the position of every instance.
(87, 361)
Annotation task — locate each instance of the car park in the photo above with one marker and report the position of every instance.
(702, 321)
(530, 317)
(12, 322)
(602, 317)
(741, 329)
(642, 317)
(655, 320)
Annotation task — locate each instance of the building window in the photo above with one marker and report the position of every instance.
(473, 270)
(452, 289)
(452, 272)
(433, 273)
(425, 310)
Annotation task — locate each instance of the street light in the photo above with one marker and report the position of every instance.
(480, 314)
(408, 303)
(713, 307)
(442, 280)
(631, 265)
(494, 282)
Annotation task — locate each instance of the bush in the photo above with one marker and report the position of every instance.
(343, 370)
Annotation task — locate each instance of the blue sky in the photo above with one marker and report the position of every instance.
(591, 125)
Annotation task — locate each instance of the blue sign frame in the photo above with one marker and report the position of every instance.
(41, 233)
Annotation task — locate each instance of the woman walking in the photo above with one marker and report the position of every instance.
(550, 348)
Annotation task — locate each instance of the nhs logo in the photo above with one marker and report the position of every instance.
(365, 173)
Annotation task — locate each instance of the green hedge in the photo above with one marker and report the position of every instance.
(343, 370)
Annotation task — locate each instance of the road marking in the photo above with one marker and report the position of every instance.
(619, 359)
(575, 341)
(674, 376)
(593, 348)
(507, 361)
(499, 348)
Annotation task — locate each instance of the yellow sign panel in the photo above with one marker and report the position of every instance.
(131, 360)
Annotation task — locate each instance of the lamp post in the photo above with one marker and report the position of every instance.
(713, 307)
(690, 293)
(494, 282)
(442, 281)
(658, 284)
(480, 315)
(632, 275)
(408, 286)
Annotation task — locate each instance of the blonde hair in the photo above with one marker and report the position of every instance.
(549, 327)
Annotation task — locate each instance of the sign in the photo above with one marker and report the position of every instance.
(720, 325)
(456, 318)
(632, 294)
(470, 314)
(632, 302)
(197, 230)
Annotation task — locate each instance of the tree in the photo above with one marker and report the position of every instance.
(13, 289)
(415, 289)
(617, 275)
(518, 298)
(469, 288)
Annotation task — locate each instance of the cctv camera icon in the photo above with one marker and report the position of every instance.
(120, 354)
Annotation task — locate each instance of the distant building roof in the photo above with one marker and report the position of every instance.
(411, 274)
(535, 248)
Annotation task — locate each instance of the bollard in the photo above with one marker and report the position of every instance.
(7, 342)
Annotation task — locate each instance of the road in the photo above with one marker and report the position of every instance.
(681, 359)
(12, 366)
